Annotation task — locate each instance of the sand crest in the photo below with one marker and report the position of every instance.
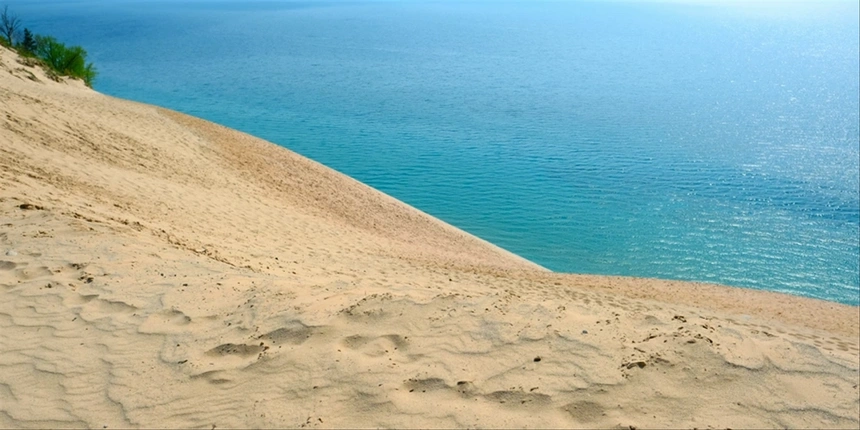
(157, 270)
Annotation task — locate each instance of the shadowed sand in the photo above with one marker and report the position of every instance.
(157, 270)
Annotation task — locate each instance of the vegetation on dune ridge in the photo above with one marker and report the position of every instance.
(45, 51)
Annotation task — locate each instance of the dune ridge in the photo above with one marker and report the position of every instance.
(158, 270)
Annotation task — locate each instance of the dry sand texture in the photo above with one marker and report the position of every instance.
(157, 270)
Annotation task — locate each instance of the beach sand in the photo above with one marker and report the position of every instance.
(158, 270)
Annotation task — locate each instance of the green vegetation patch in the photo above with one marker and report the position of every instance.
(53, 55)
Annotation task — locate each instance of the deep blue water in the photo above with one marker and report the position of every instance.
(681, 141)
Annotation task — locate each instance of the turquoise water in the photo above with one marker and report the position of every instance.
(681, 141)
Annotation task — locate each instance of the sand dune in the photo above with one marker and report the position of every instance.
(157, 270)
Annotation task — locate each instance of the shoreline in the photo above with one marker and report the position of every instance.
(159, 270)
(667, 283)
(682, 292)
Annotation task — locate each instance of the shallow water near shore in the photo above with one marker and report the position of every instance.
(692, 142)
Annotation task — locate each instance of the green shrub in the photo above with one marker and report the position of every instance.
(67, 61)
(58, 58)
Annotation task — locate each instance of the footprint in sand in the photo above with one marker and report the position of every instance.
(425, 385)
(376, 346)
(293, 332)
(584, 411)
(29, 274)
(241, 350)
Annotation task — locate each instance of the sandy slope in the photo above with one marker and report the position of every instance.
(157, 270)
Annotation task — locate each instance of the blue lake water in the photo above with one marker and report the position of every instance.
(680, 141)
